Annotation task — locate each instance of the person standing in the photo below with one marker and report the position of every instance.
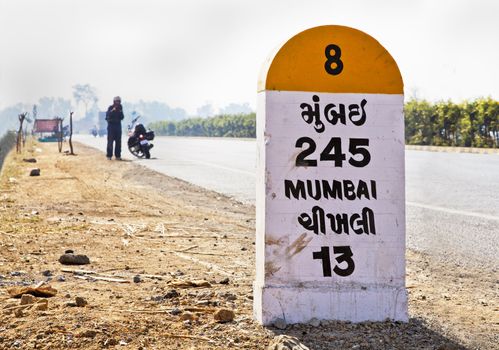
(114, 116)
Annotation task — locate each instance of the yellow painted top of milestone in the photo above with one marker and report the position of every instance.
(309, 62)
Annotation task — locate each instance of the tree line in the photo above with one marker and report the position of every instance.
(228, 125)
(472, 123)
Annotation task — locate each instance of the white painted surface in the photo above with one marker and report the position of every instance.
(290, 283)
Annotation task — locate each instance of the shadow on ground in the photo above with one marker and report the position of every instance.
(332, 335)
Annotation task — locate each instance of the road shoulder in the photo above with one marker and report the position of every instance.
(190, 252)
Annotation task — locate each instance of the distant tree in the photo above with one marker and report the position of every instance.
(151, 111)
(236, 108)
(49, 107)
(87, 95)
(9, 116)
(205, 111)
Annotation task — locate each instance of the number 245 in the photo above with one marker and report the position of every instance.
(332, 152)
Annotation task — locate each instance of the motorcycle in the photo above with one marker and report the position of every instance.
(138, 139)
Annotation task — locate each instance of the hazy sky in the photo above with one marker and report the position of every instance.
(187, 52)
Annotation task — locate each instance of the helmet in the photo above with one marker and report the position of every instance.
(117, 98)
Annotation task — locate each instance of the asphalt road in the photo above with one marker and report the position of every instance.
(452, 198)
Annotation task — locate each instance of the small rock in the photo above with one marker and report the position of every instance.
(80, 302)
(72, 259)
(224, 315)
(61, 278)
(47, 273)
(314, 322)
(137, 279)
(89, 333)
(286, 342)
(171, 294)
(110, 342)
(225, 281)
(203, 303)
(43, 305)
(228, 296)
(34, 172)
(69, 251)
(19, 313)
(176, 311)
(188, 316)
(244, 249)
(29, 160)
(16, 273)
(280, 323)
(27, 299)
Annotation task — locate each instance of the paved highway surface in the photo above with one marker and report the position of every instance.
(452, 198)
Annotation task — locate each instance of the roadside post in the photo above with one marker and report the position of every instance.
(330, 203)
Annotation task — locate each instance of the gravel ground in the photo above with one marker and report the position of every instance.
(170, 262)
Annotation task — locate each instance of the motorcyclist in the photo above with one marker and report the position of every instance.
(114, 116)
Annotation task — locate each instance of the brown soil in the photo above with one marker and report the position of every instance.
(131, 221)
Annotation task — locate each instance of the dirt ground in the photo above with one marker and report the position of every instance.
(155, 238)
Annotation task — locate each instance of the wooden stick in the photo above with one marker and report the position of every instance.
(89, 272)
(86, 272)
(204, 263)
(152, 276)
(200, 253)
(18, 307)
(186, 337)
(107, 279)
(7, 234)
(199, 309)
(121, 268)
(139, 311)
(186, 249)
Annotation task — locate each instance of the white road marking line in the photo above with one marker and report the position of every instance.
(454, 211)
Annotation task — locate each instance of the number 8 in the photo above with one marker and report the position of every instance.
(333, 59)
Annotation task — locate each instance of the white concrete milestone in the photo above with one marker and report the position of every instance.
(330, 185)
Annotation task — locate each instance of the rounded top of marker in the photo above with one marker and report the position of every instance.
(309, 62)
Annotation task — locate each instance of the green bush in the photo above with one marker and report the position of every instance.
(445, 123)
(234, 125)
